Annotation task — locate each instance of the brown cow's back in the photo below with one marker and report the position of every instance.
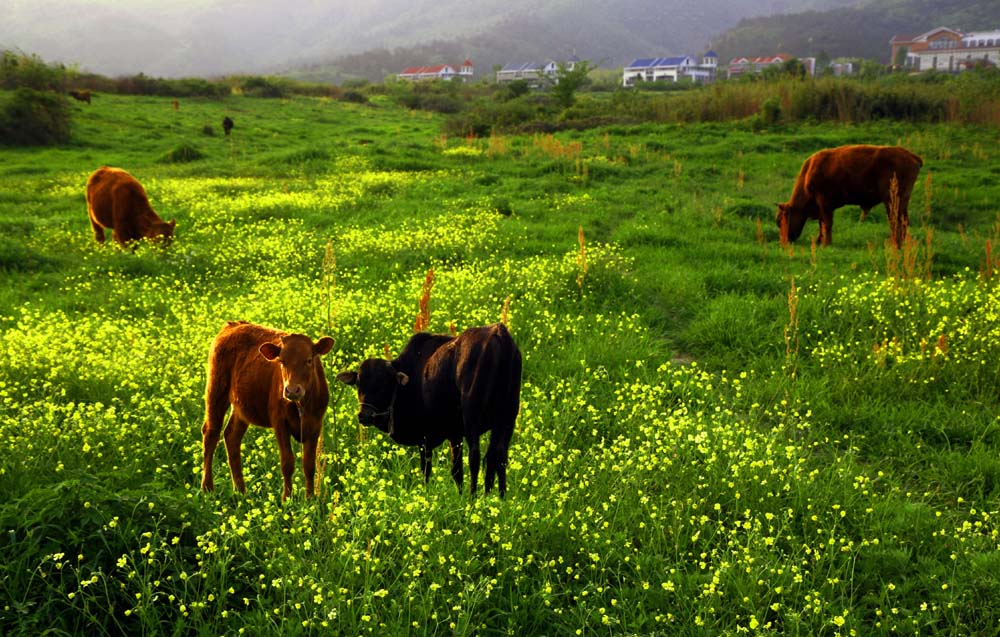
(117, 201)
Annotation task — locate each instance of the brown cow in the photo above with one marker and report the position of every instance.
(450, 388)
(81, 96)
(849, 175)
(116, 200)
(271, 379)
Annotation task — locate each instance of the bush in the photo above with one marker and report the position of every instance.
(256, 86)
(31, 118)
(29, 71)
(182, 154)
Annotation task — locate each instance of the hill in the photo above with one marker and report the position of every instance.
(862, 31)
(217, 37)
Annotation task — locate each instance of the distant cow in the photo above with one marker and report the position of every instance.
(227, 124)
(849, 175)
(80, 96)
(116, 200)
(447, 388)
(272, 379)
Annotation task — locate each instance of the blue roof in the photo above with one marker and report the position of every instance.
(655, 62)
(711, 54)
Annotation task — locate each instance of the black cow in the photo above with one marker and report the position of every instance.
(447, 388)
(227, 124)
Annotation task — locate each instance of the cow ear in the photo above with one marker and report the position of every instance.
(323, 346)
(270, 351)
(348, 378)
(402, 378)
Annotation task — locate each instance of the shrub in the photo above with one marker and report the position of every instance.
(182, 154)
(33, 117)
(770, 111)
(29, 71)
(257, 86)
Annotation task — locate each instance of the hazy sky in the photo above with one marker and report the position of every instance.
(213, 37)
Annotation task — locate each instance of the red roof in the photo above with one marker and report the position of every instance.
(419, 70)
(467, 63)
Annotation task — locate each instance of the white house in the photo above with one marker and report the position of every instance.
(671, 69)
(534, 73)
(946, 50)
(438, 72)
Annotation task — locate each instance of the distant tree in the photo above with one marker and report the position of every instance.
(517, 88)
(870, 70)
(568, 81)
(900, 60)
(20, 70)
(790, 68)
(822, 62)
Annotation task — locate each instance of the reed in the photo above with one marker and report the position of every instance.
(423, 319)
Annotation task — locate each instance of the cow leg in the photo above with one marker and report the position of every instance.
(825, 227)
(426, 454)
(473, 462)
(456, 462)
(287, 460)
(98, 230)
(216, 405)
(309, 446)
(496, 458)
(233, 435)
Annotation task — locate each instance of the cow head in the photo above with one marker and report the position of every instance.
(296, 354)
(377, 381)
(163, 231)
(790, 222)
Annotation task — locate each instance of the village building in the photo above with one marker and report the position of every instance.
(462, 73)
(535, 74)
(671, 69)
(945, 50)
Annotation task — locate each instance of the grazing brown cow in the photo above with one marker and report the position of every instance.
(116, 200)
(271, 379)
(849, 175)
(80, 96)
(447, 388)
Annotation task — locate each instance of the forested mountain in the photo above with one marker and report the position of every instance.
(214, 37)
(859, 31)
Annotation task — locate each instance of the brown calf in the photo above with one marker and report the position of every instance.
(271, 379)
(116, 200)
(80, 96)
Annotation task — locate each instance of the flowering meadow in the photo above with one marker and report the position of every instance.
(718, 434)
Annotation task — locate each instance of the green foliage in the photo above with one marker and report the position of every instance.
(19, 70)
(182, 154)
(568, 80)
(34, 118)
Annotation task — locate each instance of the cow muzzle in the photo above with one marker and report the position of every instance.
(294, 393)
(369, 415)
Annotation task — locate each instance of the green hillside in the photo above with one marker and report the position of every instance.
(853, 31)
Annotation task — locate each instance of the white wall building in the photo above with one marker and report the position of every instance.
(671, 69)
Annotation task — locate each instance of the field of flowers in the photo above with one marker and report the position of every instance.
(718, 434)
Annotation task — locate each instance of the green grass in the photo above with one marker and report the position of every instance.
(688, 459)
